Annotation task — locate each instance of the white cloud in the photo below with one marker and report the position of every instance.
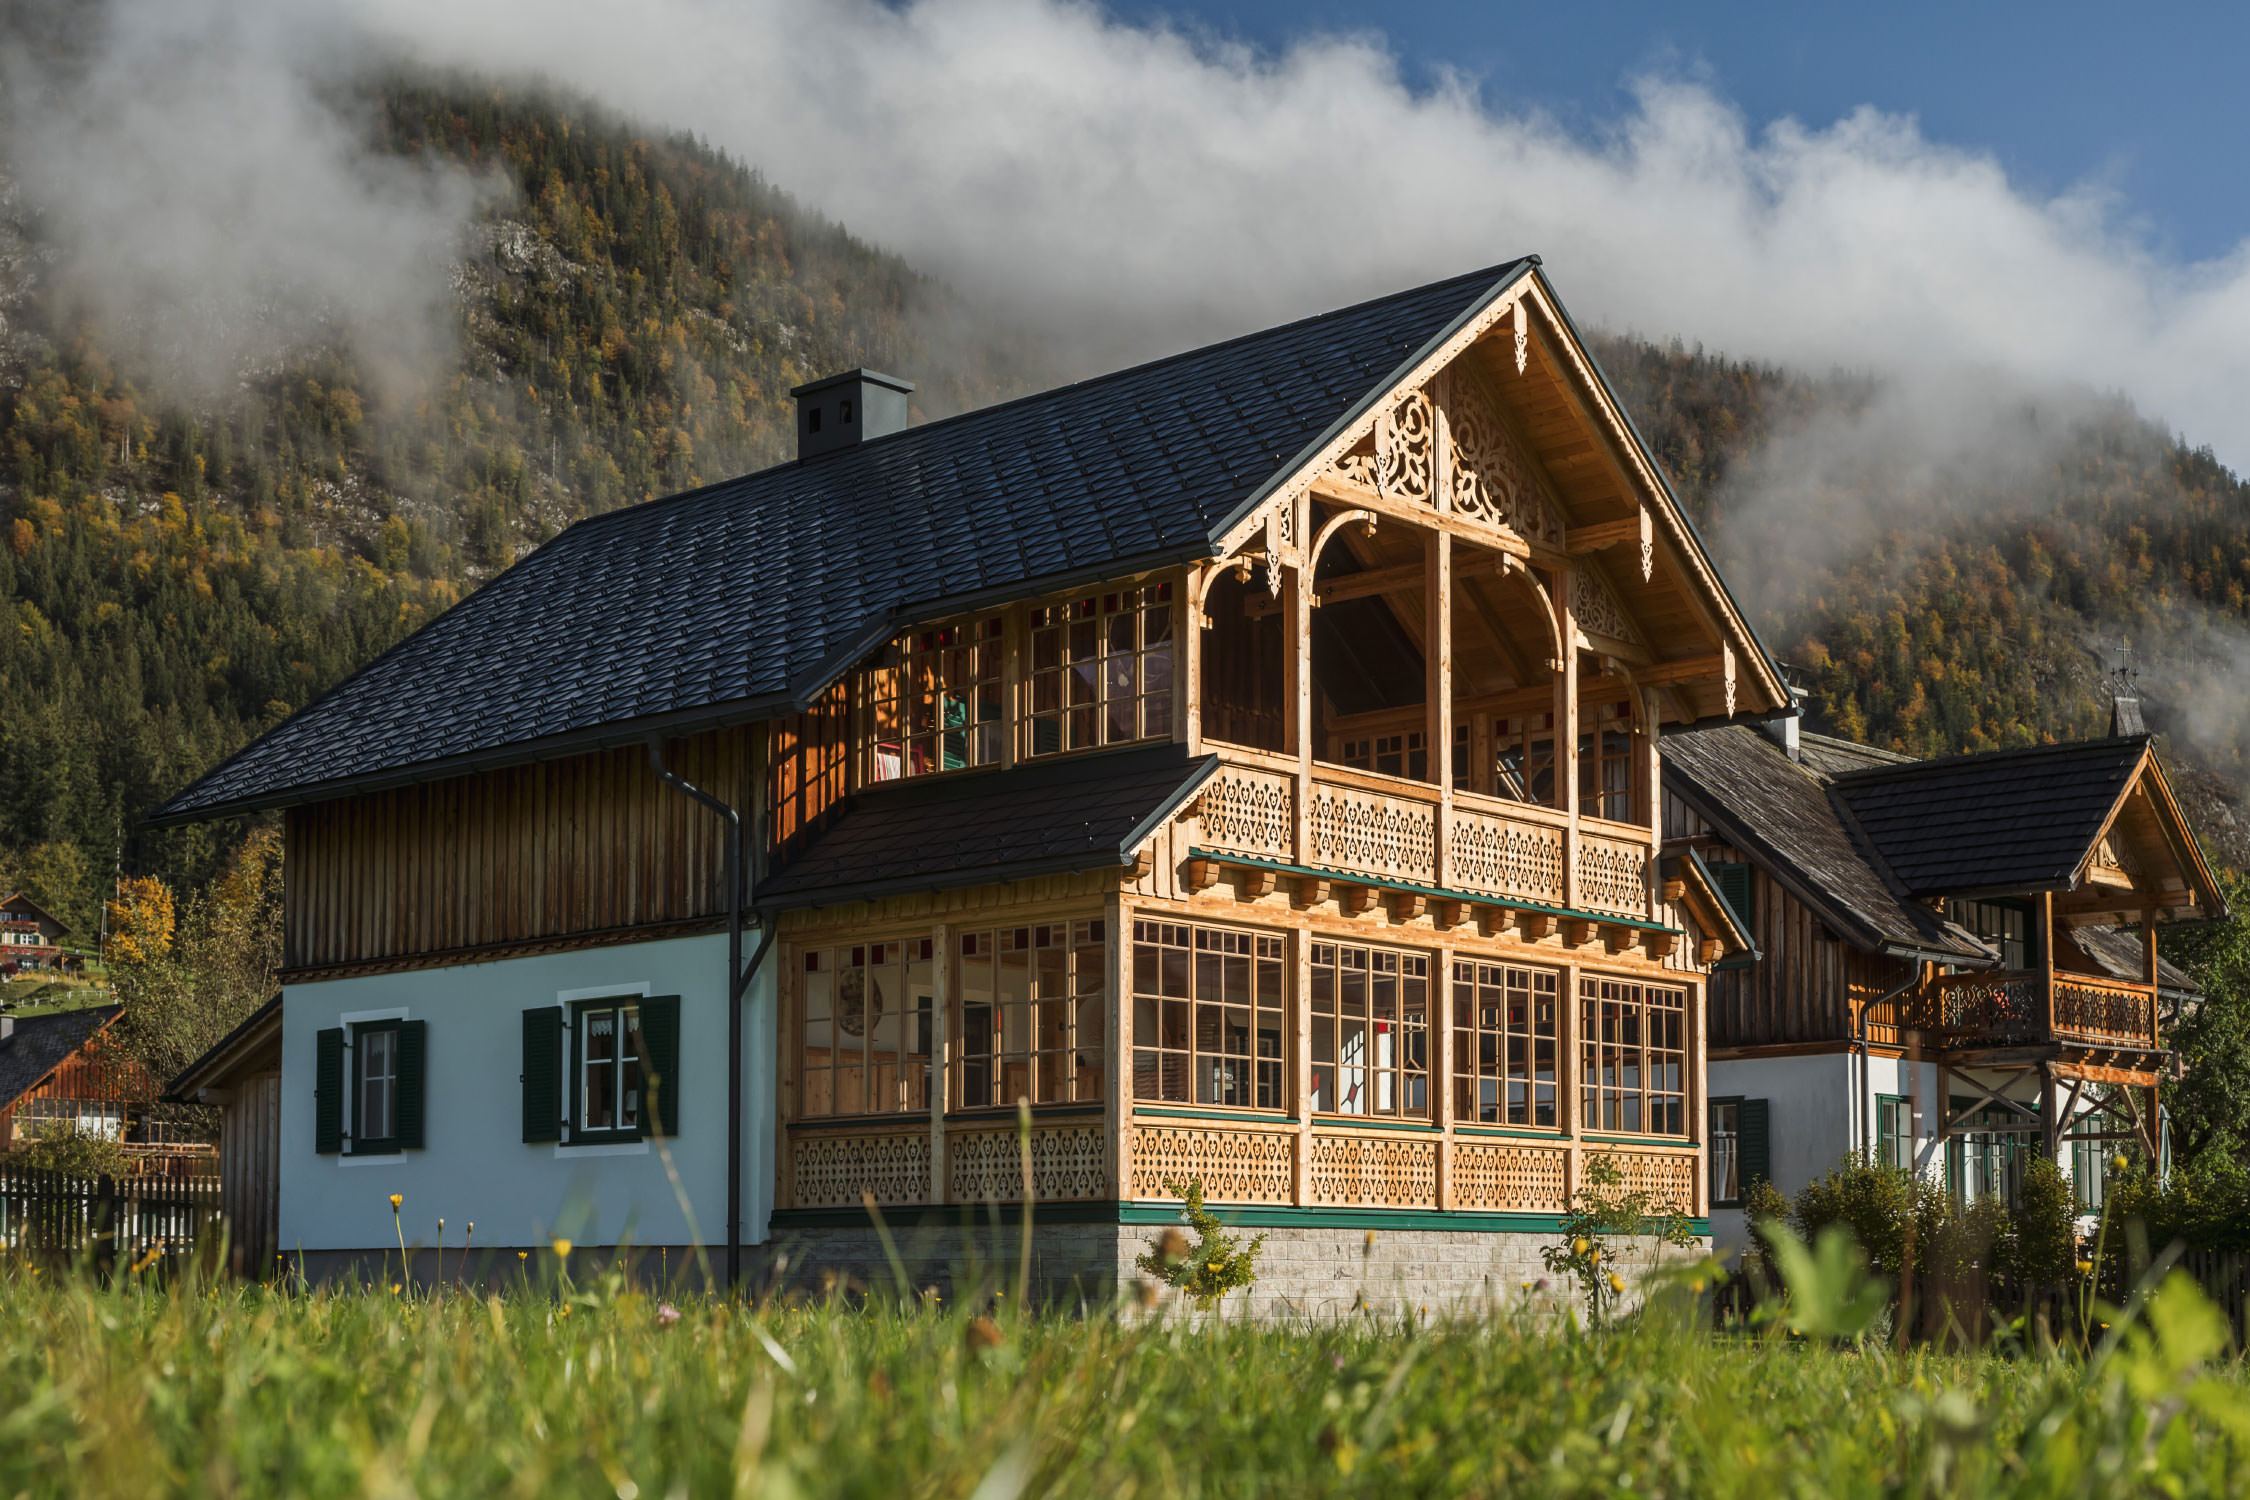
(201, 190)
(1129, 191)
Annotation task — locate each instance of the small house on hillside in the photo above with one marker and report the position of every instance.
(61, 1070)
(30, 935)
(1246, 762)
(1955, 963)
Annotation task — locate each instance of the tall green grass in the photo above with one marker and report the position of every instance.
(603, 1390)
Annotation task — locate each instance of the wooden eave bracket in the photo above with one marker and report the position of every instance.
(1202, 874)
(1352, 900)
(1405, 906)
(1257, 883)
(1312, 890)
(1577, 932)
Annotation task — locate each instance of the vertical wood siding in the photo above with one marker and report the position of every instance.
(1806, 986)
(588, 844)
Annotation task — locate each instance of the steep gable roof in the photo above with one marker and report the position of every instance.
(734, 601)
(1778, 812)
(41, 1044)
(2005, 820)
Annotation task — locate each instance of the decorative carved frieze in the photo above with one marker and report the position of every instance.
(1399, 462)
(1493, 481)
(1595, 606)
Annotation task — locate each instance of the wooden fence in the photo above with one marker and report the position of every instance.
(61, 1217)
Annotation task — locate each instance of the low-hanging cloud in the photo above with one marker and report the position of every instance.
(1129, 189)
(208, 194)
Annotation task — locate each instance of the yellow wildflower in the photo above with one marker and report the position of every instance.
(1579, 1246)
(562, 1248)
(397, 1199)
(2085, 1268)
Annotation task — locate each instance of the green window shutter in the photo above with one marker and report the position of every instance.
(413, 1045)
(328, 1091)
(1754, 1149)
(542, 1074)
(1734, 887)
(660, 1058)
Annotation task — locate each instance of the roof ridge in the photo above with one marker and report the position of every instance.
(1489, 273)
(1869, 774)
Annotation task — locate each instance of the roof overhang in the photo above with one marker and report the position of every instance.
(248, 1044)
(1700, 893)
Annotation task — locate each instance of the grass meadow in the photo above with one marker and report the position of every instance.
(599, 1389)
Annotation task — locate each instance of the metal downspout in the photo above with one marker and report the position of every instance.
(738, 980)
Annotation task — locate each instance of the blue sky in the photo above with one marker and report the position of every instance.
(2150, 101)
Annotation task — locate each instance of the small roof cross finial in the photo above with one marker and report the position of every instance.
(2124, 694)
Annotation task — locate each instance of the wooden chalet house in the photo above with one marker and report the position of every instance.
(1247, 761)
(30, 935)
(1955, 961)
(58, 1071)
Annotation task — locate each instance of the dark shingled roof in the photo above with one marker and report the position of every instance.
(1777, 811)
(2118, 951)
(1053, 817)
(42, 1042)
(2006, 820)
(727, 603)
(1834, 757)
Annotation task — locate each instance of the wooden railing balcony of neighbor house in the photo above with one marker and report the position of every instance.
(2017, 1008)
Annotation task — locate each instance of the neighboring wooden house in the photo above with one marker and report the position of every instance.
(241, 1076)
(61, 1070)
(1956, 960)
(30, 935)
(1246, 761)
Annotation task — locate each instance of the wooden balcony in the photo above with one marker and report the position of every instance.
(1417, 834)
(2006, 1009)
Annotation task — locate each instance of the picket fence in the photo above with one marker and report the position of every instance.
(58, 1216)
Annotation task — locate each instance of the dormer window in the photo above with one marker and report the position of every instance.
(934, 702)
(1101, 670)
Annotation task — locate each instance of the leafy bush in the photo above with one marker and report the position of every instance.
(1601, 1209)
(1214, 1265)
(63, 1147)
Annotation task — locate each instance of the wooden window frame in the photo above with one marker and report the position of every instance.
(1065, 639)
(1267, 1081)
(1609, 780)
(1469, 1033)
(1406, 750)
(356, 1071)
(1063, 1065)
(1969, 913)
(1733, 1153)
(930, 670)
(1398, 1077)
(582, 1134)
(1888, 1135)
(1639, 1101)
(907, 1100)
(1520, 735)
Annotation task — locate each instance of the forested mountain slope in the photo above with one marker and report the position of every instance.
(632, 311)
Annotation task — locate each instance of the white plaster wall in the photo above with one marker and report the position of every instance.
(475, 1166)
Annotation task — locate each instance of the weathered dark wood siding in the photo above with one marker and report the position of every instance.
(564, 848)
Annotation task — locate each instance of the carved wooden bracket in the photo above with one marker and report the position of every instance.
(1447, 915)
(1710, 951)
(1535, 926)
(1351, 900)
(1617, 937)
(1202, 874)
(1143, 864)
(1577, 932)
(1312, 890)
(1674, 889)
(1406, 906)
(1659, 945)
(1256, 883)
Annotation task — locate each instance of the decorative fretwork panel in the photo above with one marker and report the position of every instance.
(2104, 1011)
(1519, 1179)
(1249, 812)
(1399, 458)
(1595, 606)
(1368, 834)
(1985, 1007)
(1492, 480)
(1501, 857)
(1613, 876)
(2112, 854)
(1668, 1179)
(1067, 1161)
(1387, 1171)
(1234, 1166)
(831, 1171)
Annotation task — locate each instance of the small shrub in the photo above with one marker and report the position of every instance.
(1214, 1265)
(1600, 1210)
(63, 1147)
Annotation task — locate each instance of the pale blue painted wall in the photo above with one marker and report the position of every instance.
(476, 1166)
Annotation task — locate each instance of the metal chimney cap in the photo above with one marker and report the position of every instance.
(871, 377)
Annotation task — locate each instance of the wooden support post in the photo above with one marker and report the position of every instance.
(1699, 1087)
(1014, 695)
(2047, 965)
(1187, 680)
(1297, 691)
(941, 1057)
(1117, 1094)
(2050, 1112)
(2149, 976)
(1566, 727)
(1569, 1095)
(1300, 1042)
(1438, 657)
(1441, 1068)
